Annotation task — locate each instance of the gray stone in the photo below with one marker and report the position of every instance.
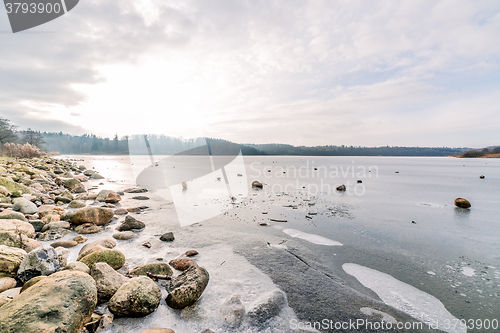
(187, 288)
(41, 261)
(107, 280)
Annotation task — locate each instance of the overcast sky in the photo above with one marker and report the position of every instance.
(407, 73)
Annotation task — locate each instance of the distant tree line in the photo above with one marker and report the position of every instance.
(166, 145)
(283, 149)
(486, 152)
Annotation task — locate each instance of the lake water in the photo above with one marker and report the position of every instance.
(393, 246)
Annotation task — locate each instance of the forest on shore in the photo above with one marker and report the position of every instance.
(63, 143)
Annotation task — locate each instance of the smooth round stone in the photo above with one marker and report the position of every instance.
(7, 283)
(65, 244)
(124, 235)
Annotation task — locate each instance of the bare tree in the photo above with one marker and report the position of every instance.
(7, 131)
(34, 138)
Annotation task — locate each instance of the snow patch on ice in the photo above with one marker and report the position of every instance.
(403, 297)
(315, 239)
(468, 271)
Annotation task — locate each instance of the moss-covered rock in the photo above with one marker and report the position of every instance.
(32, 282)
(12, 215)
(62, 302)
(187, 288)
(13, 186)
(113, 258)
(154, 268)
(136, 298)
(74, 184)
(76, 204)
(19, 241)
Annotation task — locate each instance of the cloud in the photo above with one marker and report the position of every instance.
(315, 72)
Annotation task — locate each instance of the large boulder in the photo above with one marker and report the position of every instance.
(15, 226)
(106, 242)
(130, 223)
(114, 258)
(96, 215)
(462, 203)
(9, 214)
(107, 281)
(62, 302)
(186, 288)
(24, 206)
(10, 259)
(41, 261)
(136, 298)
(157, 268)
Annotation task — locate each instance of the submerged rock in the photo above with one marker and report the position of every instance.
(187, 288)
(462, 203)
(60, 303)
(233, 311)
(107, 281)
(136, 298)
(266, 307)
(158, 330)
(41, 261)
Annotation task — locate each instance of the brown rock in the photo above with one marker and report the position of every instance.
(65, 244)
(121, 211)
(7, 283)
(80, 239)
(182, 264)
(88, 228)
(113, 198)
(191, 253)
(96, 215)
(462, 203)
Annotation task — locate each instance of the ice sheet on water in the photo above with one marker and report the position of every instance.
(230, 274)
(404, 297)
(315, 239)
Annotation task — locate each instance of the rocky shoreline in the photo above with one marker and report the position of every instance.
(42, 289)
